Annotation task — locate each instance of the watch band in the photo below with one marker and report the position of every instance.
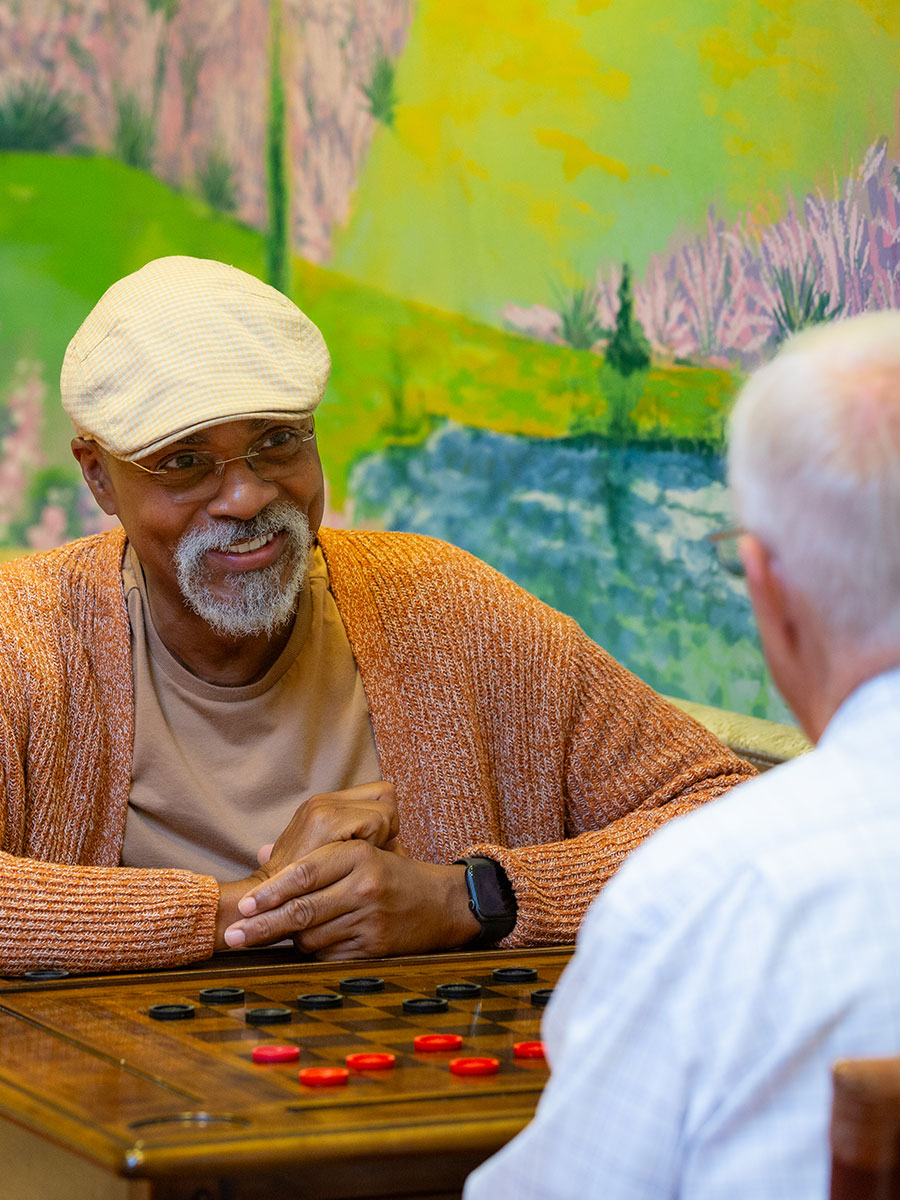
(492, 900)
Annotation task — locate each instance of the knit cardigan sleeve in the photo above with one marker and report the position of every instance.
(632, 762)
(507, 732)
(66, 722)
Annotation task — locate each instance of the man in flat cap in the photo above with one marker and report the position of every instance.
(223, 725)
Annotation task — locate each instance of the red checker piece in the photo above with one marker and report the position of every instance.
(529, 1050)
(437, 1041)
(324, 1076)
(370, 1062)
(275, 1054)
(474, 1066)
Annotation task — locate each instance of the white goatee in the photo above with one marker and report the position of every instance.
(259, 601)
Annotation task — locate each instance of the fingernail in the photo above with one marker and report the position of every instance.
(247, 906)
(235, 937)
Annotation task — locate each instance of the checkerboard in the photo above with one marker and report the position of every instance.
(129, 1089)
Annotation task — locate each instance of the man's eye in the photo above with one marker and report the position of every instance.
(279, 439)
(185, 461)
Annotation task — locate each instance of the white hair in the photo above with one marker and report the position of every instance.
(814, 464)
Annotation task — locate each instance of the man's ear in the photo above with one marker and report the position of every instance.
(93, 468)
(785, 629)
(772, 601)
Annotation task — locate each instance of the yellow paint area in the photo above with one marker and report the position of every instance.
(578, 156)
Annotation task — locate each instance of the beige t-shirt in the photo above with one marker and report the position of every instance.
(219, 771)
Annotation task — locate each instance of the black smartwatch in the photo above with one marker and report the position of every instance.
(491, 899)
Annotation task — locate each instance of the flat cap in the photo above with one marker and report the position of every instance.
(185, 343)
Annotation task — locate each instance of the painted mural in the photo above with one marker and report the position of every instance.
(544, 239)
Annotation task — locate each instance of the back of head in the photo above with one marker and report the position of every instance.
(185, 343)
(814, 463)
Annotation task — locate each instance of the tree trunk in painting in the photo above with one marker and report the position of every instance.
(277, 250)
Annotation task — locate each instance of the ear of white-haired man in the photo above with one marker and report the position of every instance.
(813, 666)
(791, 636)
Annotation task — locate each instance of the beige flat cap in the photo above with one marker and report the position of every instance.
(185, 343)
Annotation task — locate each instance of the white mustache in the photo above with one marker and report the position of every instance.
(225, 533)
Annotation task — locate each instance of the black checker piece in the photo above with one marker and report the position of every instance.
(515, 974)
(222, 995)
(361, 985)
(171, 1012)
(424, 1005)
(312, 1001)
(458, 991)
(267, 1016)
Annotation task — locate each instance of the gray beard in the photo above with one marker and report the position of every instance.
(260, 601)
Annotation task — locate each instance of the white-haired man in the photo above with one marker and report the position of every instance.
(223, 725)
(744, 949)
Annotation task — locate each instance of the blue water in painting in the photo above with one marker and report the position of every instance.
(612, 534)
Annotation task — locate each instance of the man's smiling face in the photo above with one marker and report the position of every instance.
(237, 559)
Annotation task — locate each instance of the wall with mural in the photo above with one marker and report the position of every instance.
(544, 239)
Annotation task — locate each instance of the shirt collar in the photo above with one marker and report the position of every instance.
(865, 704)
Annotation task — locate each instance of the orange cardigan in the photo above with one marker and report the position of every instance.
(504, 729)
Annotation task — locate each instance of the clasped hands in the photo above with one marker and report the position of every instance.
(336, 884)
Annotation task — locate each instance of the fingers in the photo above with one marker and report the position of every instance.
(367, 812)
(354, 900)
(301, 895)
(354, 945)
(264, 853)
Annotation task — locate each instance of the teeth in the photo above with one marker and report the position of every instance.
(246, 547)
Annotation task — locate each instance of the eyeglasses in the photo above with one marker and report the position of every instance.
(196, 475)
(724, 542)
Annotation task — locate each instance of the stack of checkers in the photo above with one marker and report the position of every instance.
(441, 1045)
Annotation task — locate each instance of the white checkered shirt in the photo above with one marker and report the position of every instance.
(736, 956)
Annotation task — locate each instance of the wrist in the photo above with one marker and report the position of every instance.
(465, 926)
(227, 912)
(230, 894)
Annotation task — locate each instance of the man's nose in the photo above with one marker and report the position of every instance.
(241, 493)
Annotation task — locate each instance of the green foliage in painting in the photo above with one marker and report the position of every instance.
(801, 302)
(35, 117)
(135, 135)
(277, 256)
(628, 349)
(169, 9)
(189, 70)
(627, 362)
(80, 54)
(623, 376)
(216, 181)
(580, 326)
(380, 91)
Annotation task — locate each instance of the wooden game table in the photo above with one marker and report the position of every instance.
(100, 1101)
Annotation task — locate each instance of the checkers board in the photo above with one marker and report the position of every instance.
(103, 1099)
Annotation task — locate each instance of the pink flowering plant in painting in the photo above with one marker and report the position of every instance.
(20, 444)
(729, 296)
(41, 506)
